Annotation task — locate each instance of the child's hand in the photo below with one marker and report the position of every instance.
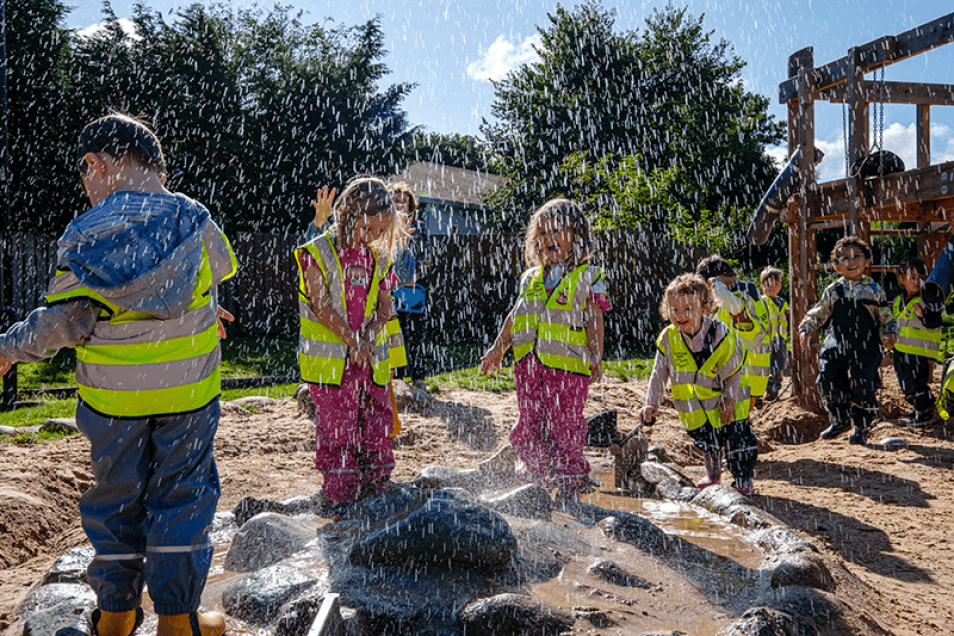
(728, 413)
(220, 315)
(490, 363)
(596, 371)
(322, 204)
(888, 340)
(362, 353)
(919, 310)
(647, 413)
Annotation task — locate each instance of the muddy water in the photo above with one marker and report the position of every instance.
(698, 589)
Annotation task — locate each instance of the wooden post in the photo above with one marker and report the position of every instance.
(803, 286)
(857, 142)
(923, 139)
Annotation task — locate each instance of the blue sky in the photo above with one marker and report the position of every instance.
(452, 49)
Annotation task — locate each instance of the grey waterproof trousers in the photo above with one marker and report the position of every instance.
(149, 512)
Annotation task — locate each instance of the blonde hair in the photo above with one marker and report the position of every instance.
(770, 273)
(369, 196)
(567, 214)
(690, 286)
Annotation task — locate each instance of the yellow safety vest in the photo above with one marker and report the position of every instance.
(751, 326)
(322, 354)
(554, 326)
(945, 397)
(697, 392)
(778, 318)
(913, 337)
(135, 365)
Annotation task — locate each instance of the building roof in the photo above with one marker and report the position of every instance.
(437, 181)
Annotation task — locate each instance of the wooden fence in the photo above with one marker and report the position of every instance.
(473, 283)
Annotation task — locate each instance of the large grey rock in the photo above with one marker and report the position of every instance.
(637, 531)
(434, 477)
(385, 612)
(58, 608)
(513, 615)
(761, 621)
(296, 617)
(670, 483)
(501, 468)
(259, 597)
(443, 531)
(71, 567)
(318, 504)
(805, 570)
(49, 596)
(809, 606)
(267, 539)
(728, 502)
(530, 501)
(614, 574)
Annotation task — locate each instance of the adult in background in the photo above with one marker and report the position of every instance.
(410, 297)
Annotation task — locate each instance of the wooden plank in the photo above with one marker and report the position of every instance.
(883, 51)
(894, 93)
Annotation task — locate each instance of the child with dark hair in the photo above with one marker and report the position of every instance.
(776, 309)
(853, 310)
(919, 340)
(134, 295)
(741, 309)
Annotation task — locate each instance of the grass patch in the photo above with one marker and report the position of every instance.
(251, 356)
(276, 392)
(626, 370)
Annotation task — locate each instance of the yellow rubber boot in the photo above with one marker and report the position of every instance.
(195, 624)
(114, 623)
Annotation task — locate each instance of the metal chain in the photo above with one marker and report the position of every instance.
(881, 95)
(844, 134)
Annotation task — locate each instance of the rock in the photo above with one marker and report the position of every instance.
(782, 541)
(719, 498)
(297, 617)
(306, 406)
(601, 429)
(809, 606)
(596, 618)
(259, 597)
(389, 613)
(659, 454)
(893, 443)
(443, 532)
(434, 477)
(48, 596)
(71, 567)
(318, 504)
(500, 469)
(636, 531)
(223, 527)
(530, 501)
(670, 483)
(267, 539)
(805, 570)
(59, 425)
(63, 619)
(513, 615)
(614, 574)
(675, 632)
(761, 621)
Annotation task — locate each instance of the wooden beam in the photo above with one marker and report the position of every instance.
(895, 93)
(875, 54)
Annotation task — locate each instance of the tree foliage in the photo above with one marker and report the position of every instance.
(665, 105)
(254, 108)
(459, 151)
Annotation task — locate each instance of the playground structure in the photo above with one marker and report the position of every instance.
(923, 195)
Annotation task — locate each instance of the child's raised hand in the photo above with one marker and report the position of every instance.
(220, 315)
(919, 310)
(323, 203)
(361, 354)
(647, 413)
(490, 363)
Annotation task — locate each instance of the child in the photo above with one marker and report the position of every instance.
(776, 309)
(851, 308)
(556, 329)
(702, 360)
(347, 337)
(135, 279)
(741, 310)
(919, 340)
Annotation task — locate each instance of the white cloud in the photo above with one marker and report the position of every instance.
(129, 28)
(503, 57)
(942, 143)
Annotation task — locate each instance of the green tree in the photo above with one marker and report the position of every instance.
(667, 104)
(460, 151)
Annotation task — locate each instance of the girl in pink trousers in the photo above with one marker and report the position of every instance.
(556, 330)
(350, 339)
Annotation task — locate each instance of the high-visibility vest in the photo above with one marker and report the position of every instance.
(322, 354)
(945, 397)
(751, 326)
(697, 391)
(913, 337)
(777, 317)
(554, 326)
(135, 365)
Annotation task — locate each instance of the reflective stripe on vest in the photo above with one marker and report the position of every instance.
(134, 365)
(913, 337)
(322, 354)
(555, 326)
(750, 328)
(697, 392)
(778, 318)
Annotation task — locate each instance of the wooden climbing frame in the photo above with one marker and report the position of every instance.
(923, 195)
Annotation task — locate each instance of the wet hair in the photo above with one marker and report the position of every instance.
(567, 214)
(846, 242)
(402, 186)
(122, 136)
(714, 265)
(770, 273)
(691, 286)
(368, 196)
(912, 264)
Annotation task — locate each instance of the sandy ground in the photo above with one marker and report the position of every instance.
(885, 516)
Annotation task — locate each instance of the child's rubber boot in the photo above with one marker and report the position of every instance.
(192, 624)
(116, 623)
(860, 436)
(713, 470)
(835, 429)
(744, 486)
